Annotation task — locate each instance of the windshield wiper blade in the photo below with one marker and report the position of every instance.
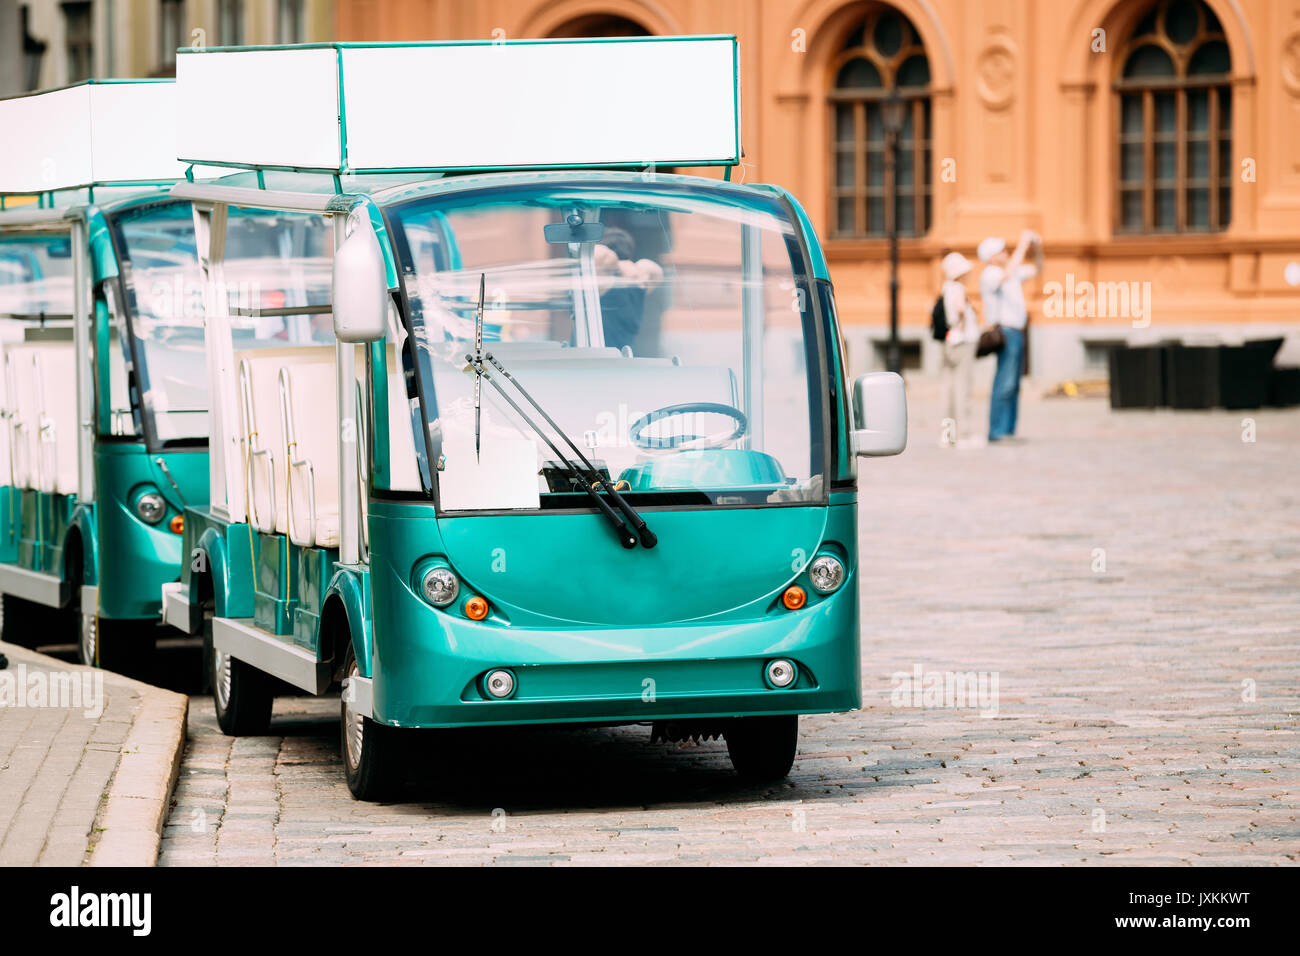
(477, 362)
(648, 537)
(625, 535)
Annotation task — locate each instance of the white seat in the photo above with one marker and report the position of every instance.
(312, 454)
(261, 431)
(304, 410)
(43, 407)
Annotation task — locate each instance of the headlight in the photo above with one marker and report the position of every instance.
(826, 573)
(151, 507)
(440, 587)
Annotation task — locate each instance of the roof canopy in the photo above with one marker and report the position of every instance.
(463, 106)
(107, 132)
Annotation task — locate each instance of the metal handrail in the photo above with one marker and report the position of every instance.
(45, 425)
(254, 453)
(290, 444)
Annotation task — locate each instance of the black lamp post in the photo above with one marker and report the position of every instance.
(892, 115)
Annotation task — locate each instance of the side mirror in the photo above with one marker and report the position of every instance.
(359, 288)
(880, 414)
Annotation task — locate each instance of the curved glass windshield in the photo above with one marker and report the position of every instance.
(666, 330)
(276, 282)
(36, 276)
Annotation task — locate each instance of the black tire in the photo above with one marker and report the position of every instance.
(241, 694)
(374, 756)
(123, 646)
(762, 749)
(24, 623)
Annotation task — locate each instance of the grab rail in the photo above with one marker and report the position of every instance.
(290, 444)
(254, 454)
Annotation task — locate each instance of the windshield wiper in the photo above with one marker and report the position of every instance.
(625, 535)
(477, 361)
(648, 538)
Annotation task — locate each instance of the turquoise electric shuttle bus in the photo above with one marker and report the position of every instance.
(101, 445)
(573, 441)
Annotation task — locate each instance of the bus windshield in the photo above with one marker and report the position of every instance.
(36, 276)
(666, 329)
(276, 270)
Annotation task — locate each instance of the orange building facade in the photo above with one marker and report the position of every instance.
(1154, 144)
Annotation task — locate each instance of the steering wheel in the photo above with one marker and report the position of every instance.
(716, 440)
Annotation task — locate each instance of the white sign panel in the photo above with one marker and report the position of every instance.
(624, 102)
(259, 107)
(582, 102)
(90, 134)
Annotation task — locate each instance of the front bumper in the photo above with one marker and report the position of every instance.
(427, 673)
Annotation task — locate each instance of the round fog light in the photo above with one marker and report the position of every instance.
(499, 684)
(781, 673)
(826, 573)
(440, 587)
(151, 507)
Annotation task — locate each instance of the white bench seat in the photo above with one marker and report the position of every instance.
(42, 416)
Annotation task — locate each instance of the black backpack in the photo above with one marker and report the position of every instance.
(939, 320)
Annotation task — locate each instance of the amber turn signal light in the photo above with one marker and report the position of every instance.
(794, 597)
(476, 608)
(177, 524)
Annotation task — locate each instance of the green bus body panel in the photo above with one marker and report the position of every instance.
(43, 521)
(225, 551)
(692, 628)
(565, 569)
(11, 504)
(140, 558)
(351, 587)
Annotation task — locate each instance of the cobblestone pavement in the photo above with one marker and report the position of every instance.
(61, 736)
(1131, 579)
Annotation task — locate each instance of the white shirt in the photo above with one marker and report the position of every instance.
(1003, 296)
(962, 324)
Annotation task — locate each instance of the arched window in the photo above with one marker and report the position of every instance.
(1174, 98)
(600, 25)
(883, 54)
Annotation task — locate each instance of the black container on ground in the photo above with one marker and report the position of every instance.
(1192, 376)
(1137, 376)
(1244, 372)
(1284, 387)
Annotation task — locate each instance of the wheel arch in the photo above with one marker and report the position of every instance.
(344, 618)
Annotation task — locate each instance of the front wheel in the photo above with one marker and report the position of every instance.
(373, 754)
(762, 749)
(242, 694)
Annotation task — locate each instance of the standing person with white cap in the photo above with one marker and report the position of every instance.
(1003, 297)
(959, 353)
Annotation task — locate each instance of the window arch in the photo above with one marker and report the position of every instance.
(600, 25)
(884, 53)
(1174, 101)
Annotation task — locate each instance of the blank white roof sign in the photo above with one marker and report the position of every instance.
(444, 106)
(118, 131)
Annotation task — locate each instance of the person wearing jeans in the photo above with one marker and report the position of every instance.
(1003, 297)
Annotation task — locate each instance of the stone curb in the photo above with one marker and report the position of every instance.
(131, 817)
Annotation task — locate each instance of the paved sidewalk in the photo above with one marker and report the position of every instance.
(87, 762)
(1132, 580)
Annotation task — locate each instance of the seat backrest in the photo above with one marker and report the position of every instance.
(260, 427)
(315, 439)
(43, 401)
